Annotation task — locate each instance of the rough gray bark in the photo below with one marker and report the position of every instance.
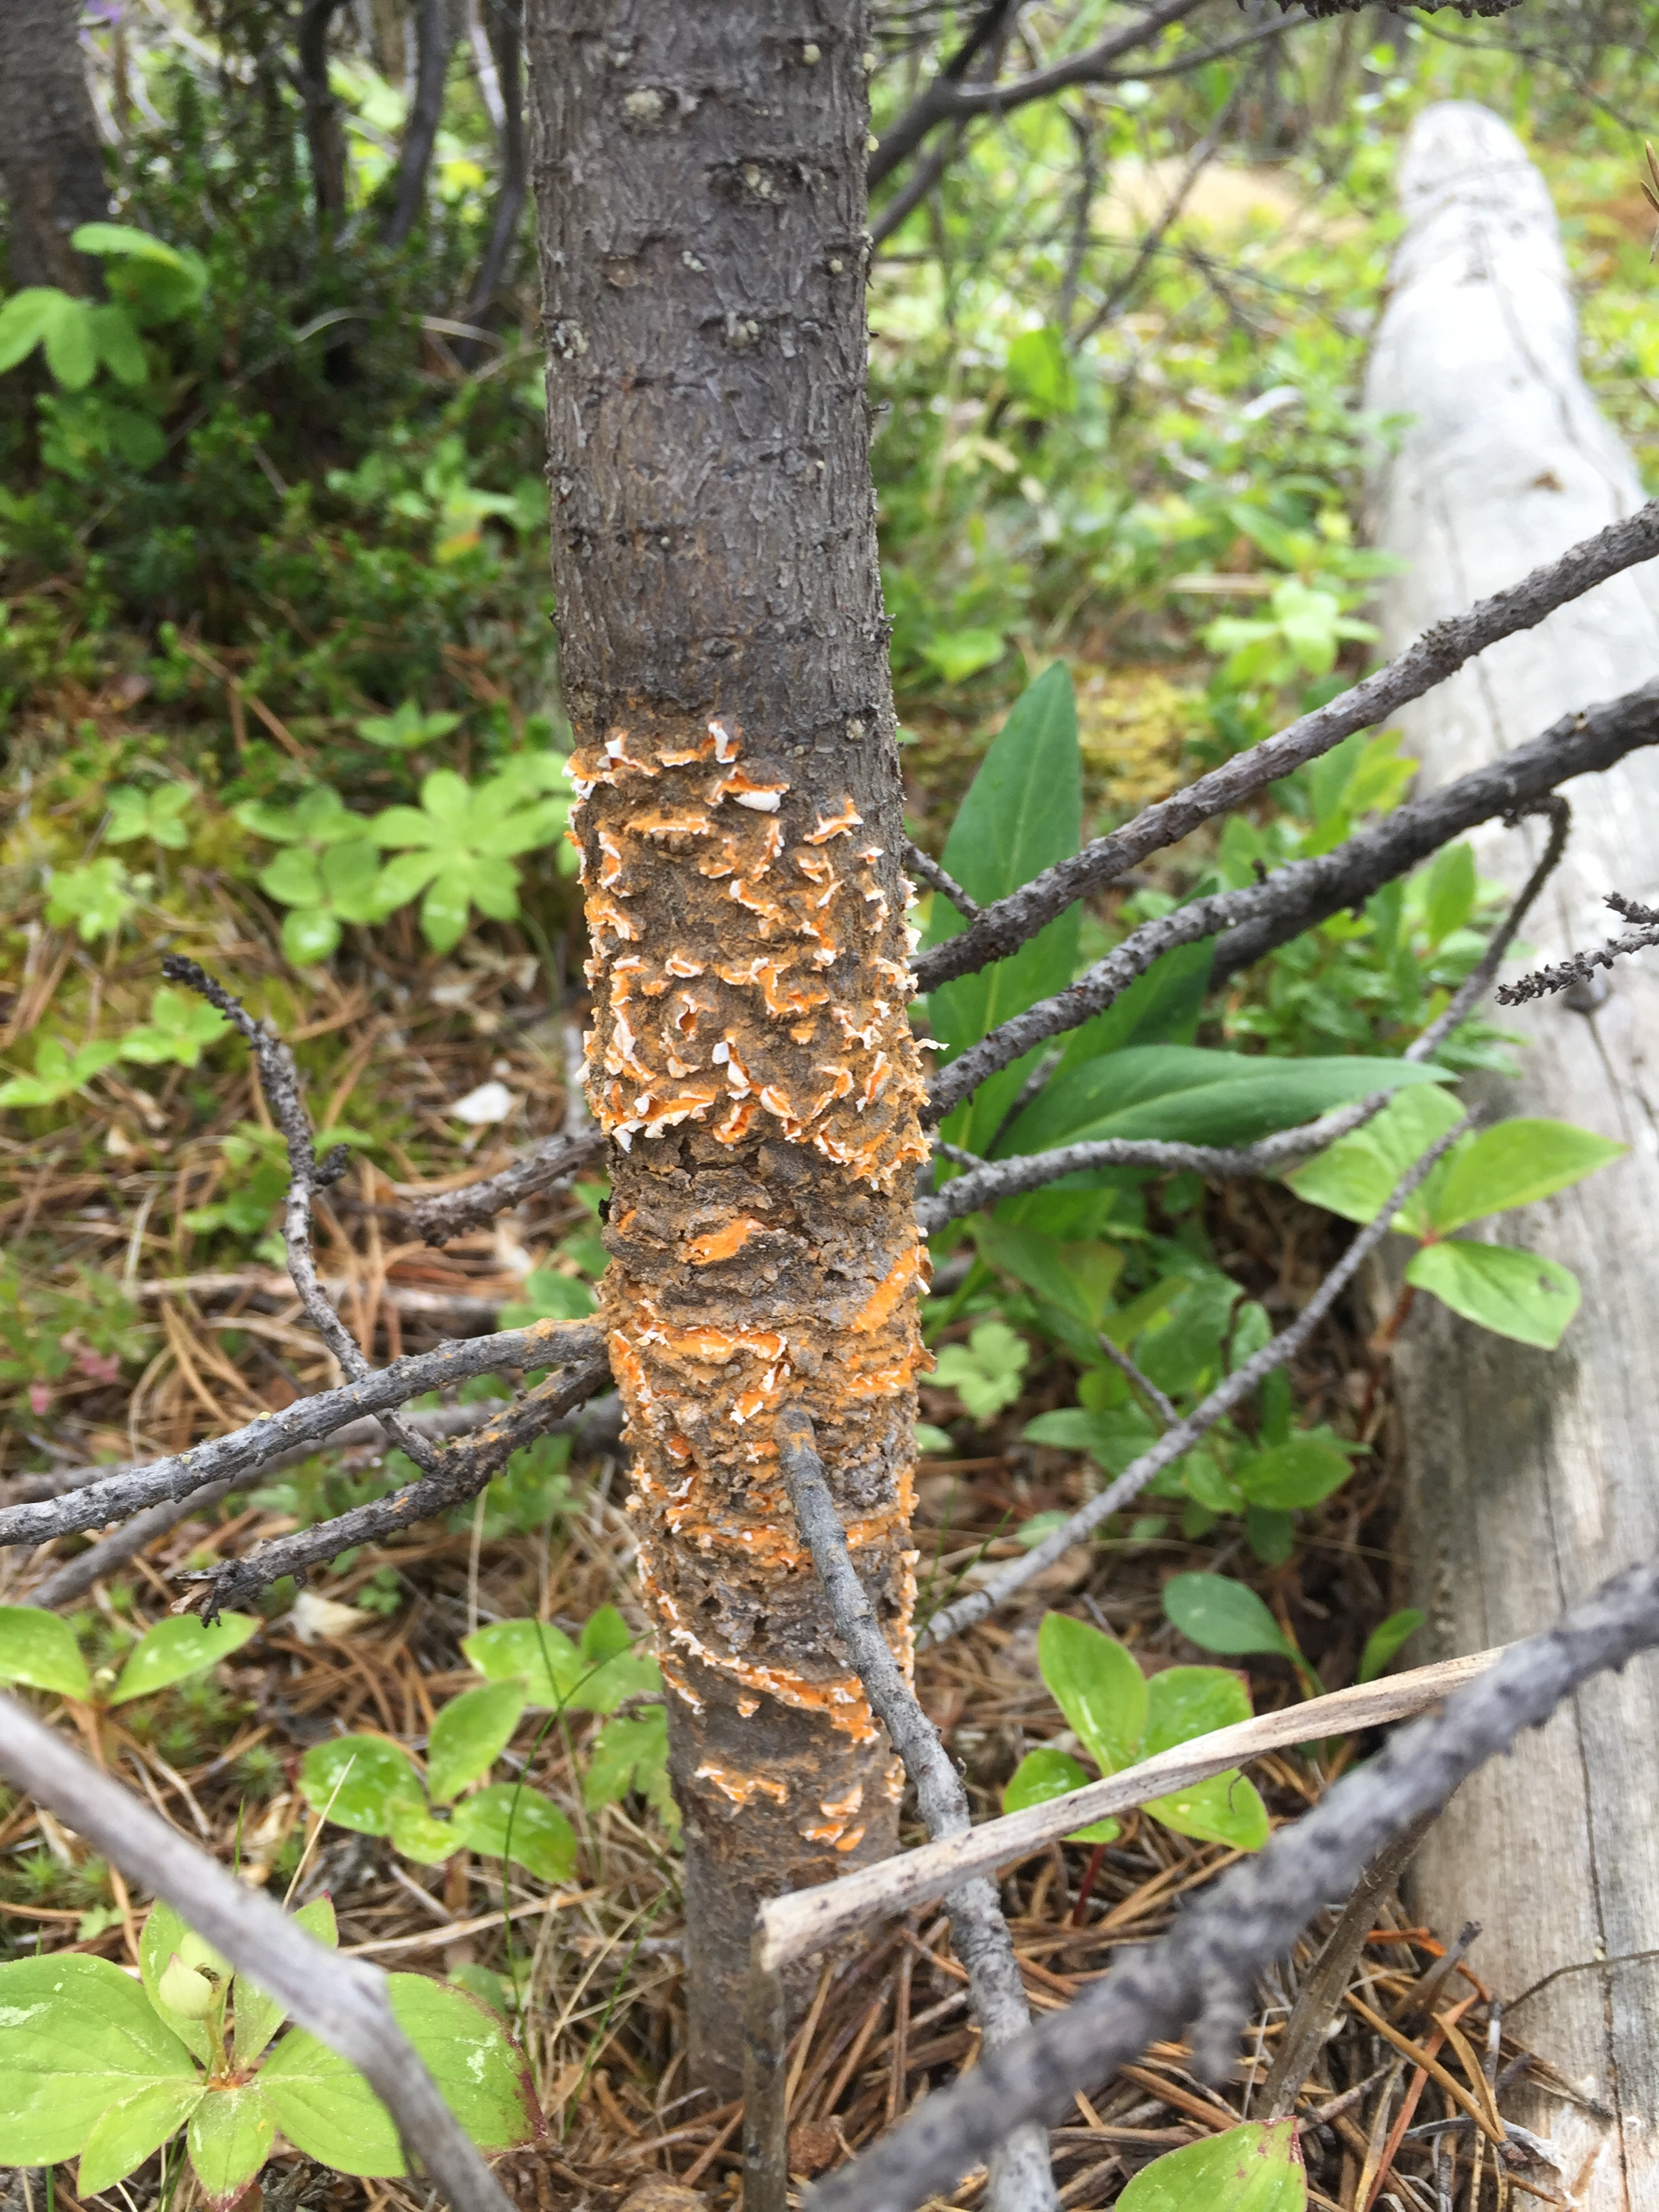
(699, 177)
(1532, 1474)
(50, 155)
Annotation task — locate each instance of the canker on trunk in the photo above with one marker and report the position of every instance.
(700, 183)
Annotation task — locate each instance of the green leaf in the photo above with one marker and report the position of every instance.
(1184, 1702)
(612, 1670)
(1449, 894)
(1097, 1685)
(1354, 1176)
(328, 2110)
(1220, 1615)
(309, 935)
(506, 1822)
(119, 346)
(1045, 1774)
(1078, 1279)
(1299, 1472)
(544, 1655)
(180, 1024)
(354, 1779)
(76, 2036)
(37, 1648)
(175, 1648)
(419, 1836)
(1184, 1094)
(1023, 812)
(632, 1754)
(95, 899)
(1385, 1640)
(549, 1296)
(258, 2015)
(1514, 1164)
(71, 343)
(123, 2136)
(163, 1934)
(1040, 371)
(959, 654)
(469, 1735)
(985, 1372)
(231, 2132)
(1113, 1440)
(1514, 1294)
(23, 320)
(1253, 2169)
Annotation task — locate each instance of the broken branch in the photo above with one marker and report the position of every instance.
(454, 1212)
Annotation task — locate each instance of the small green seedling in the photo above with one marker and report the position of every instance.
(156, 812)
(406, 728)
(97, 899)
(1253, 2169)
(96, 2066)
(1122, 1718)
(179, 1027)
(985, 1372)
(59, 1072)
(1513, 1293)
(373, 1786)
(37, 1649)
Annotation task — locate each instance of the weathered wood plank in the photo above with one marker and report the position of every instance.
(1533, 1476)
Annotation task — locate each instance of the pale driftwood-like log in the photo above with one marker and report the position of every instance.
(1532, 1474)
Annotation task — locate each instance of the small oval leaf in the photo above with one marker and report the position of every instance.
(354, 1779)
(173, 1649)
(38, 1649)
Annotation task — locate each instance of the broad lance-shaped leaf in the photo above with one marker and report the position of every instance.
(1023, 812)
(1221, 1615)
(1515, 1164)
(173, 1649)
(231, 2132)
(356, 1779)
(1512, 1293)
(469, 1734)
(1097, 1685)
(77, 2037)
(125, 2135)
(594, 1678)
(38, 1649)
(1184, 1094)
(1301, 1471)
(1354, 1176)
(328, 2110)
(508, 1821)
(258, 2014)
(1045, 1774)
(1160, 1008)
(1253, 2169)
(1184, 1702)
(1385, 1640)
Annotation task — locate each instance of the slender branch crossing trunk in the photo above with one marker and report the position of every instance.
(50, 156)
(699, 175)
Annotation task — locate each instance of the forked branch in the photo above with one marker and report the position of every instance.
(454, 1212)
(1439, 653)
(1583, 965)
(1202, 1971)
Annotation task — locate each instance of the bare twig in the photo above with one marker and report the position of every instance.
(279, 1080)
(1202, 1973)
(806, 1920)
(927, 870)
(1180, 1439)
(987, 1181)
(1583, 965)
(454, 1212)
(460, 1474)
(1296, 896)
(342, 2001)
(1438, 654)
(1149, 1390)
(307, 1421)
(1020, 2180)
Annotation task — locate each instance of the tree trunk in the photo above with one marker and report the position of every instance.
(1533, 1476)
(699, 175)
(50, 154)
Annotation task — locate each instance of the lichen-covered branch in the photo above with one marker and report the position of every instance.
(1184, 1435)
(1439, 653)
(460, 1474)
(1198, 1976)
(308, 1421)
(454, 1212)
(987, 1182)
(1020, 2177)
(342, 2001)
(1293, 898)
